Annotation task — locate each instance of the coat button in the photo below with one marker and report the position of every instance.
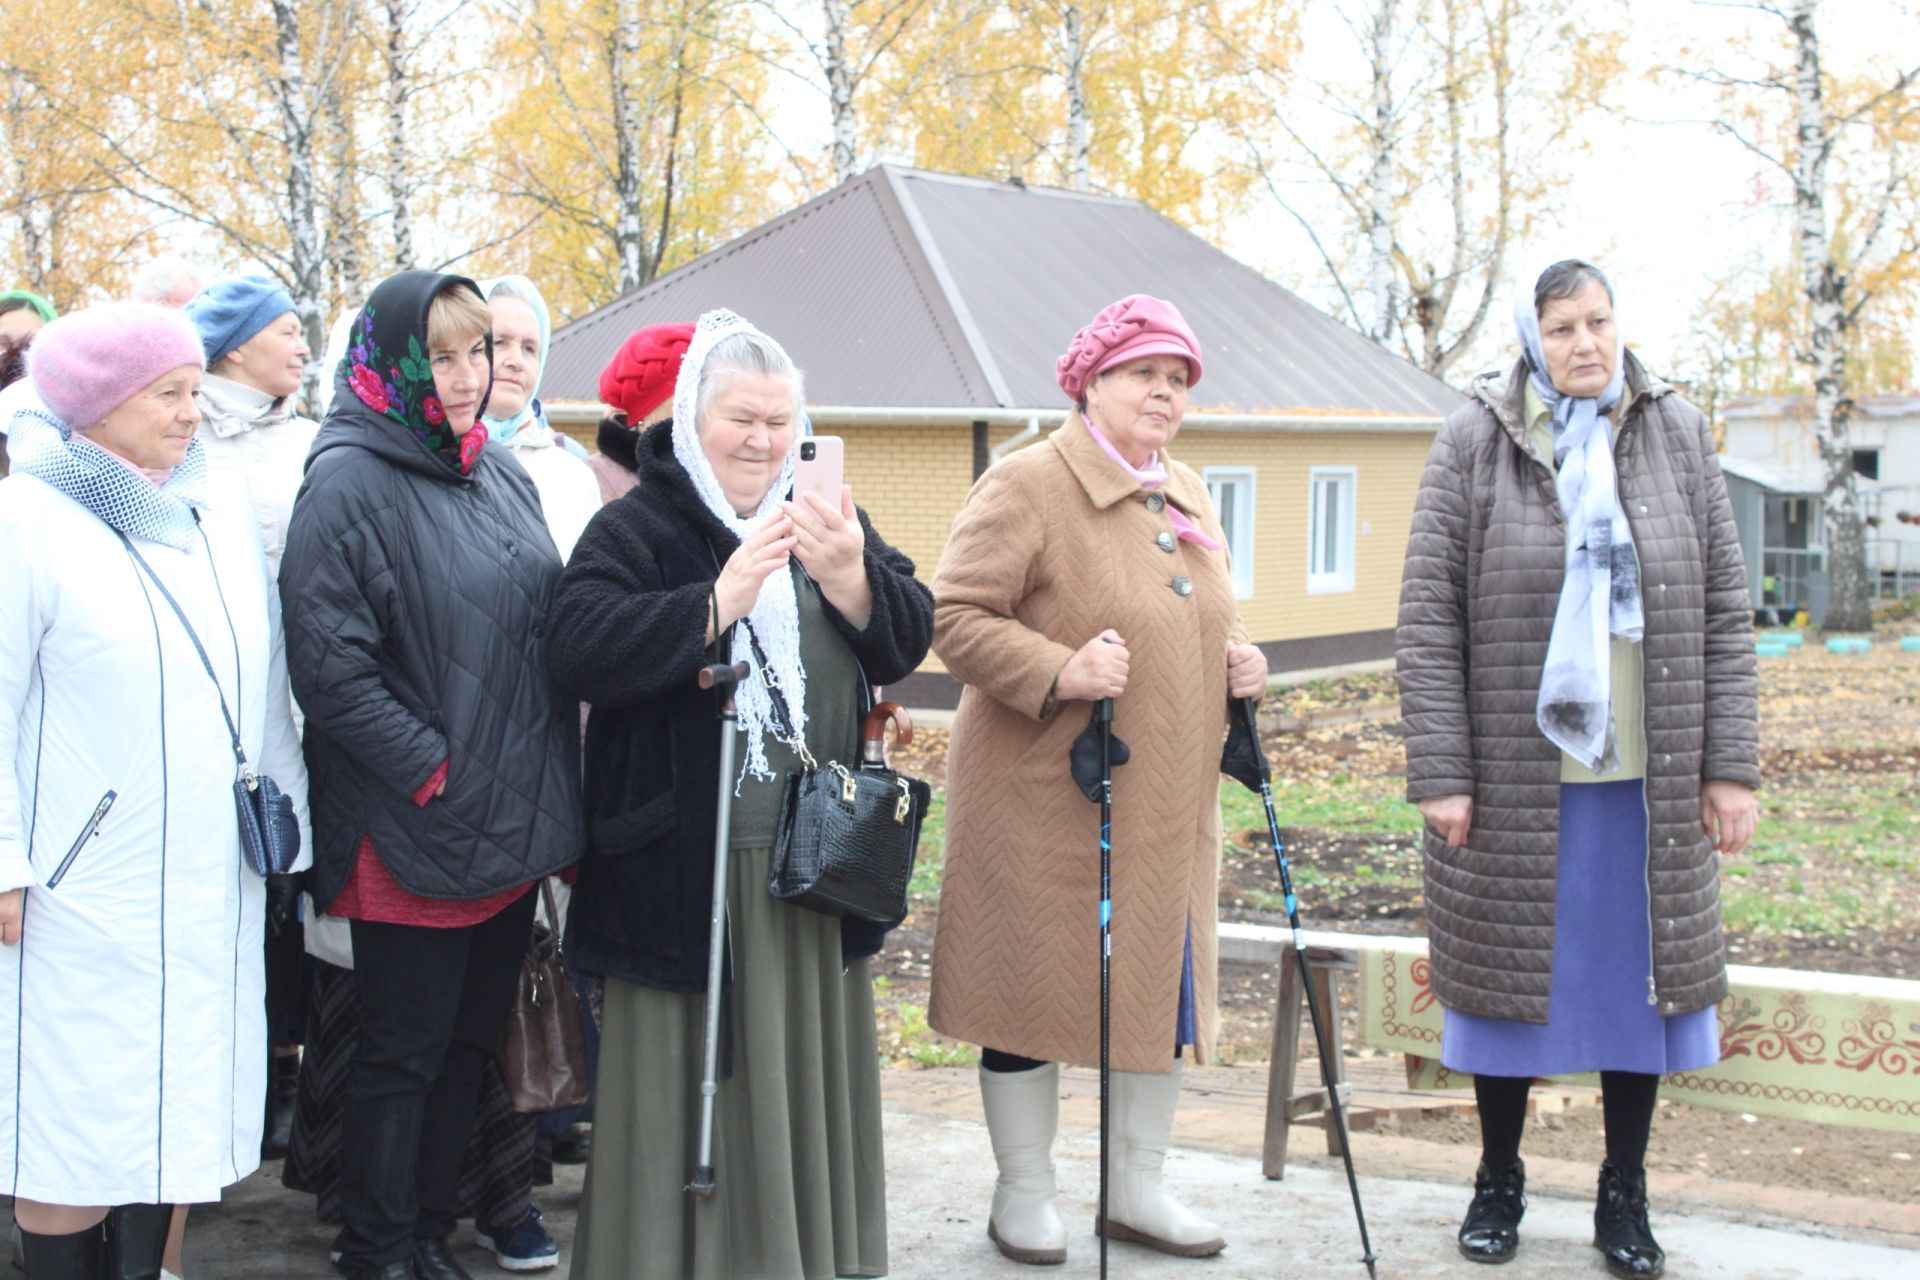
(513, 548)
(1663, 586)
(1183, 585)
(1669, 842)
(1156, 503)
(1643, 508)
(1663, 671)
(538, 631)
(1164, 541)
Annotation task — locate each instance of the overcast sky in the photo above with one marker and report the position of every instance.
(1666, 208)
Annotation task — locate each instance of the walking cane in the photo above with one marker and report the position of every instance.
(1245, 761)
(722, 678)
(1095, 755)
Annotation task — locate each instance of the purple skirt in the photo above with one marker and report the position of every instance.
(1598, 1017)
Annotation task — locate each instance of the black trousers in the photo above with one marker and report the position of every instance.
(431, 1006)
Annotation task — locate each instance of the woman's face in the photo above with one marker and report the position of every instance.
(20, 322)
(745, 433)
(1578, 337)
(516, 354)
(1138, 404)
(272, 361)
(155, 426)
(460, 377)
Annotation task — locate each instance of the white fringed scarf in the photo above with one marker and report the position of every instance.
(775, 619)
(1600, 595)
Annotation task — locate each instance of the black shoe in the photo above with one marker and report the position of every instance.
(1620, 1227)
(573, 1146)
(380, 1271)
(433, 1260)
(69, 1257)
(283, 1088)
(136, 1241)
(1491, 1231)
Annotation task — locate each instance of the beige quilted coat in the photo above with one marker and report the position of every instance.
(1054, 545)
(1483, 572)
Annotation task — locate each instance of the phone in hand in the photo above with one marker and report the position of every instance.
(819, 467)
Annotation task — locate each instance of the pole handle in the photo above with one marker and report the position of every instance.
(1103, 711)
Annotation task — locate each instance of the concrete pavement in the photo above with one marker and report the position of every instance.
(940, 1174)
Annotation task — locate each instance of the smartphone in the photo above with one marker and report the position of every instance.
(819, 467)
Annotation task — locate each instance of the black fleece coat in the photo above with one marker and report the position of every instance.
(626, 634)
(415, 599)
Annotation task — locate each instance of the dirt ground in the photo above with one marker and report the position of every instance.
(1832, 884)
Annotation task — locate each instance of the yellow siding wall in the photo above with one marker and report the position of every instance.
(1387, 476)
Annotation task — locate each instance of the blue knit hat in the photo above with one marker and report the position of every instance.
(233, 309)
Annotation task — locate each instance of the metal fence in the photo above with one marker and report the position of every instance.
(1893, 567)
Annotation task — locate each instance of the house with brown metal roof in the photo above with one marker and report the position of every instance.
(926, 311)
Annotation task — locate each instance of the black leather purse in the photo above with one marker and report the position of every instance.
(269, 829)
(846, 838)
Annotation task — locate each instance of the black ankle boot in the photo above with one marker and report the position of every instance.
(136, 1240)
(71, 1257)
(432, 1260)
(283, 1088)
(1620, 1228)
(1491, 1231)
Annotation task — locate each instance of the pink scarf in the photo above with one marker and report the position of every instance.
(155, 476)
(1151, 477)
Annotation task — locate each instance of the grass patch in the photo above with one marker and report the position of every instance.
(931, 859)
(1343, 802)
(1869, 819)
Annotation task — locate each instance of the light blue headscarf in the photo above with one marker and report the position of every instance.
(501, 430)
(1600, 595)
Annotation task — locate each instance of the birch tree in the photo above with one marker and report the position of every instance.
(1460, 126)
(1846, 155)
(632, 132)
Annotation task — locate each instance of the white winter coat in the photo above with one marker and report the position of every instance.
(569, 491)
(258, 444)
(133, 1039)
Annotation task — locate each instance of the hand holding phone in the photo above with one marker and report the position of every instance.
(819, 466)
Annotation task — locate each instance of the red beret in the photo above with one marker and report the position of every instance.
(640, 377)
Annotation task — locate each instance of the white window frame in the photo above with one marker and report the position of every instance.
(1342, 577)
(1240, 533)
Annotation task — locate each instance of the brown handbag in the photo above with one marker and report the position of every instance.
(543, 1048)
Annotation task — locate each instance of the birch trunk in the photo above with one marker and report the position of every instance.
(1079, 132)
(629, 235)
(840, 93)
(399, 171)
(1850, 604)
(1380, 267)
(306, 258)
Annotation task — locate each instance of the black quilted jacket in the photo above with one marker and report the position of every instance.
(415, 602)
(627, 635)
(1484, 565)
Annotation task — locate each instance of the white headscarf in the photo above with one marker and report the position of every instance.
(775, 619)
(1600, 594)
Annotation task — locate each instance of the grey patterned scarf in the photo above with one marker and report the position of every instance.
(42, 446)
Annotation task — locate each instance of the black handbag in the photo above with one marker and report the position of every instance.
(846, 839)
(269, 829)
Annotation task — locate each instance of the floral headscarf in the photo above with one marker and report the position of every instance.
(388, 371)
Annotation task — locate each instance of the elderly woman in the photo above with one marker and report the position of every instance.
(256, 353)
(821, 605)
(637, 385)
(417, 580)
(23, 313)
(522, 333)
(1577, 677)
(1072, 560)
(138, 615)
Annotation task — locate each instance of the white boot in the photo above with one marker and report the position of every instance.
(1023, 1113)
(1138, 1205)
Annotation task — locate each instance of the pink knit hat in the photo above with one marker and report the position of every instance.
(88, 363)
(1135, 326)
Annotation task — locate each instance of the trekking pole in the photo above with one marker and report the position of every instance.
(1096, 753)
(1254, 773)
(1103, 717)
(723, 678)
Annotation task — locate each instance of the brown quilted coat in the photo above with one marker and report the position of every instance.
(1483, 573)
(1054, 545)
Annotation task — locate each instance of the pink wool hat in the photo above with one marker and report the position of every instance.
(88, 363)
(1135, 326)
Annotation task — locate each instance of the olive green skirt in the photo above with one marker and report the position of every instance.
(797, 1150)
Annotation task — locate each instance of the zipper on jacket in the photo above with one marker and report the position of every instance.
(1646, 770)
(86, 833)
